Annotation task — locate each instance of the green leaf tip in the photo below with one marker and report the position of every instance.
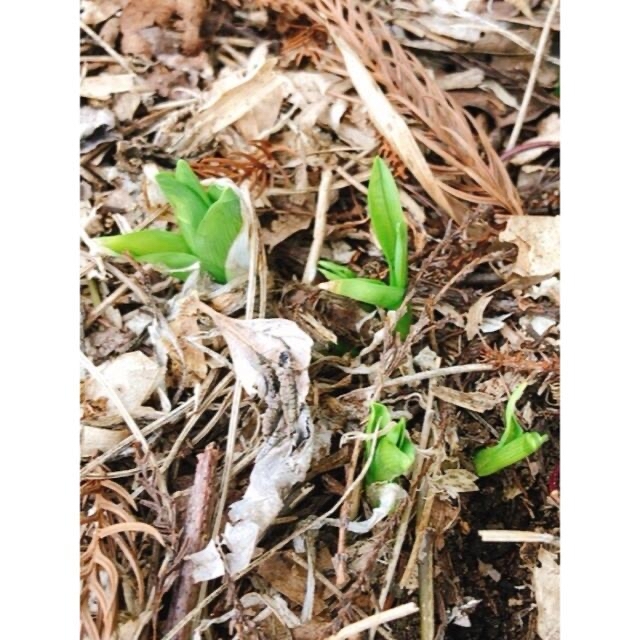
(393, 453)
(514, 445)
(388, 222)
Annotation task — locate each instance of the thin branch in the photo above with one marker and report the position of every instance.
(535, 68)
(435, 373)
(320, 225)
(375, 620)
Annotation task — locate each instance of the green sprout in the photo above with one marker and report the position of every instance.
(211, 229)
(514, 445)
(390, 229)
(393, 453)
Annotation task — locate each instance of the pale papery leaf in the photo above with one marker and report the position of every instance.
(546, 585)
(262, 350)
(538, 242)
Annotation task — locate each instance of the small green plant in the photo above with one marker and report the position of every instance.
(514, 445)
(211, 230)
(390, 229)
(393, 453)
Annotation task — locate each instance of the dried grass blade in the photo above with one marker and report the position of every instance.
(391, 125)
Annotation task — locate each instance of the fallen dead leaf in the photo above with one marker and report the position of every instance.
(476, 314)
(92, 119)
(538, 242)
(186, 358)
(546, 585)
(230, 98)
(474, 400)
(133, 376)
(290, 579)
(95, 440)
(270, 357)
(103, 86)
(548, 131)
(139, 14)
(97, 11)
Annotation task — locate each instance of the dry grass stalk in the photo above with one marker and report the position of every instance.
(107, 538)
(448, 131)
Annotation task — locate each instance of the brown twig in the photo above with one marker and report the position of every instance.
(196, 529)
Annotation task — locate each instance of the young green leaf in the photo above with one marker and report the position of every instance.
(334, 271)
(493, 459)
(394, 453)
(179, 265)
(184, 175)
(214, 191)
(514, 444)
(512, 428)
(387, 220)
(138, 243)
(188, 206)
(366, 290)
(216, 233)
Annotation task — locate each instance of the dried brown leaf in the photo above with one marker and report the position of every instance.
(538, 242)
(475, 315)
(391, 125)
(474, 400)
(140, 14)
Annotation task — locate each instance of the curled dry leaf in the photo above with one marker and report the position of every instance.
(185, 357)
(230, 98)
(95, 440)
(270, 358)
(546, 585)
(548, 131)
(132, 376)
(455, 481)
(474, 400)
(538, 242)
(105, 85)
(475, 315)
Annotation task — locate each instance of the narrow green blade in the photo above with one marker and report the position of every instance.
(138, 243)
(367, 290)
(387, 219)
(334, 271)
(216, 233)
